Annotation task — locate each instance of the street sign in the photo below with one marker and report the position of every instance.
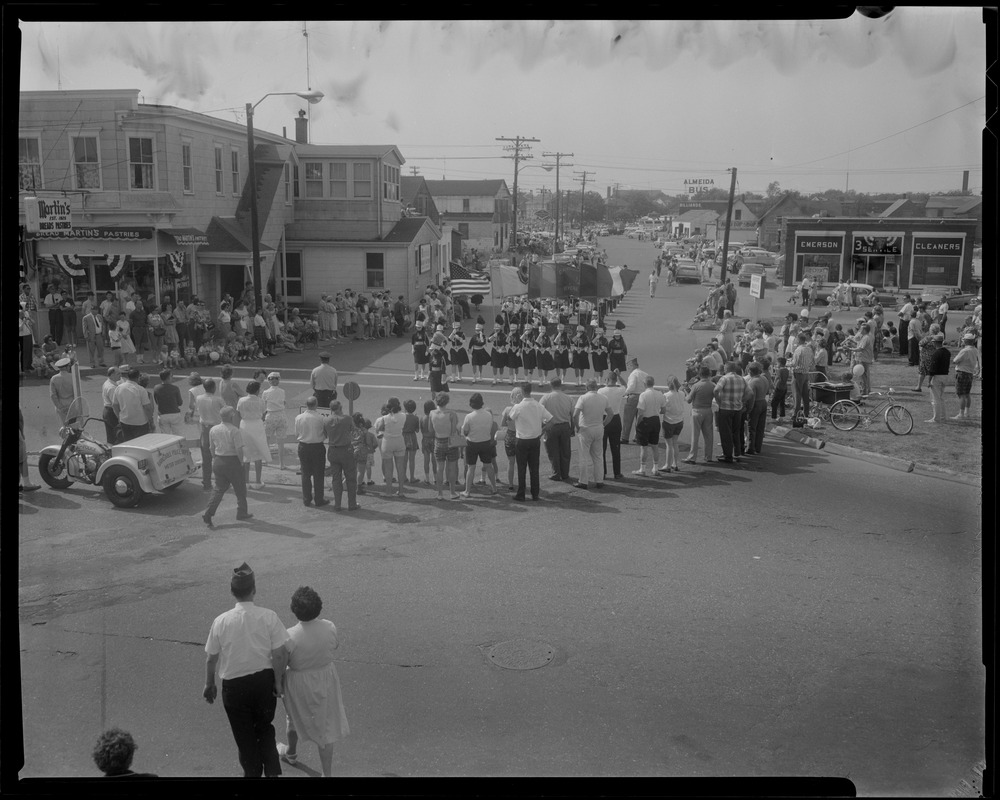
(352, 392)
(543, 214)
(757, 286)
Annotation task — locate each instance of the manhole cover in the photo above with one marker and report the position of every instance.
(521, 654)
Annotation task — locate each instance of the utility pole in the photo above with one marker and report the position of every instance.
(583, 193)
(414, 171)
(729, 216)
(519, 150)
(557, 157)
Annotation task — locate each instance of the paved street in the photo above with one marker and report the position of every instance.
(799, 614)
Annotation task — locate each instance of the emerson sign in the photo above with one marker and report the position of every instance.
(47, 216)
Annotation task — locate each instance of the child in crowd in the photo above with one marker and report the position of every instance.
(50, 349)
(164, 356)
(359, 448)
(39, 365)
(427, 436)
(411, 426)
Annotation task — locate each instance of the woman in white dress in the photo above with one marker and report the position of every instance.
(389, 430)
(314, 707)
(255, 447)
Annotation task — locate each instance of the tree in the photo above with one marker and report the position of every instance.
(773, 189)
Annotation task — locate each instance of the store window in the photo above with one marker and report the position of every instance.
(186, 167)
(295, 181)
(374, 271)
(875, 259)
(234, 169)
(338, 180)
(362, 179)
(290, 277)
(314, 179)
(86, 163)
(937, 260)
(29, 164)
(818, 255)
(220, 176)
(140, 162)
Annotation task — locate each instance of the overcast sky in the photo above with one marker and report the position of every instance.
(640, 104)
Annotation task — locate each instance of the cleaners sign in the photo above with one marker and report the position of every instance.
(47, 216)
(695, 185)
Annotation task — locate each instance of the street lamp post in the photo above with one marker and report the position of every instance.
(313, 97)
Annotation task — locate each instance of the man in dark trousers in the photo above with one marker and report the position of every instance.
(399, 315)
(310, 434)
(246, 645)
(226, 443)
(340, 454)
(559, 439)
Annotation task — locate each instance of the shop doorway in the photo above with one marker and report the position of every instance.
(231, 280)
(878, 271)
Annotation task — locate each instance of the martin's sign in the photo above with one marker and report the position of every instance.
(695, 185)
(47, 216)
(935, 246)
(109, 234)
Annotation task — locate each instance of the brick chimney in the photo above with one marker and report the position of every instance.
(302, 128)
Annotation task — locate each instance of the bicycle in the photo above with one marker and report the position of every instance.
(846, 415)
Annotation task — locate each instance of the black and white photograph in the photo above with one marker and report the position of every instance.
(569, 401)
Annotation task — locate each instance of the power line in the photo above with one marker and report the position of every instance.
(520, 150)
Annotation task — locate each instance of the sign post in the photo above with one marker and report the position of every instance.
(352, 392)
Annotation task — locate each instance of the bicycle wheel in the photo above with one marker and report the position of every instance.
(822, 411)
(898, 420)
(845, 415)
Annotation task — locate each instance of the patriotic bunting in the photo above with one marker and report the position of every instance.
(116, 263)
(71, 265)
(176, 261)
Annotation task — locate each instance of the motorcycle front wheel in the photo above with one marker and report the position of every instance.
(53, 472)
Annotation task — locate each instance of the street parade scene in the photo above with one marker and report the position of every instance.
(679, 483)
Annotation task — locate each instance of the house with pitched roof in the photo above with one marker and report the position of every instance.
(480, 210)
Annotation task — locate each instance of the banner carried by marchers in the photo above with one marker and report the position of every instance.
(509, 281)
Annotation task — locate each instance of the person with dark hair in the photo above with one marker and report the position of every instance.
(615, 394)
(167, 398)
(247, 645)
(479, 429)
(559, 440)
(530, 421)
(700, 396)
(340, 454)
(131, 404)
(392, 446)
(314, 705)
(444, 423)
(310, 434)
(226, 446)
(113, 754)
(208, 406)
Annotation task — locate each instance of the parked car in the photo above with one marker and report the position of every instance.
(957, 299)
(858, 293)
(758, 255)
(688, 271)
(751, 269)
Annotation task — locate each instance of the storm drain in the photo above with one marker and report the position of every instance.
(521, 654)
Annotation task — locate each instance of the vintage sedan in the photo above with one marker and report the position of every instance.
(749, 269)
(757, 255)
(957, 299)
(858, 294)
(688, 271)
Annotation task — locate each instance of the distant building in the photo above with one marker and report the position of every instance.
(479, 210)
(416, 197)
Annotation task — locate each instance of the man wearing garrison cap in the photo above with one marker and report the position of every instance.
(246, 646)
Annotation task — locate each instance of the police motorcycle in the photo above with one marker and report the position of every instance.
(154, 462)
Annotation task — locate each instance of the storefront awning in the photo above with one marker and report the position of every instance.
(186, 236)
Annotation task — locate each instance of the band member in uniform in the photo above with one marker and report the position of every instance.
(528, 355)
(418, 346)
(498, 353)
(543, 351)
(514, 351)
(560, 343)
(479, 355)
(617, 349)
(438, 363)
(599, 353)
(581, 358)
(459, 356)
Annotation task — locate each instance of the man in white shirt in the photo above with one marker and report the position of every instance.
(589, 415)
(323, 380)
(275, 422)
(111, 431)
(905, 315)
(530, 420)
(246, 645)
(310, 434)
(132, 405)
(93, 333)
(804, 288)
(615, 394)
(633, 388)
(651, 405)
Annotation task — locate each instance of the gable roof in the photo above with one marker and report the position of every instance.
(348, 151)
(484, 188)
(226, 235)
(896, 207)
(949, 200)
(405, 231)
(409, 187)
(971, 205)
(698, 214)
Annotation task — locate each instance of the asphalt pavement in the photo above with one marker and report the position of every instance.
(801, 613)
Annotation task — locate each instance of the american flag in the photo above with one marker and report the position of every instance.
(463, 281)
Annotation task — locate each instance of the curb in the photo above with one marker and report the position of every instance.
(874, 458)
(801, 438)
(947, 474)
